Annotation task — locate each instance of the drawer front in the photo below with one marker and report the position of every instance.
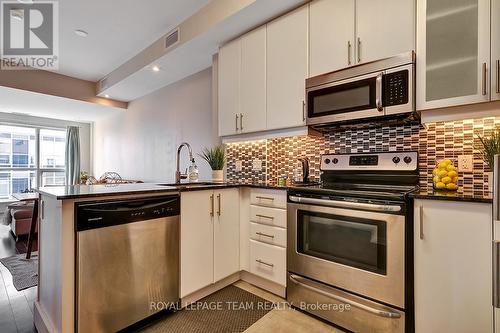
(268, 234)
(266, 215)
(268, 261)
(268, 198)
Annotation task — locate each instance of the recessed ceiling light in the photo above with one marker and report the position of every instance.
(155, 69)
(25, 1)
(81, 33)
(107, 96)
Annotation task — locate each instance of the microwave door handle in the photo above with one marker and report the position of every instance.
(378, 92)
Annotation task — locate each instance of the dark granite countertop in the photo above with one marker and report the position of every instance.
(460, 195)
(89, 191)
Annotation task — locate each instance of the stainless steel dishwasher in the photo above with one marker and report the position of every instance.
(127, 261)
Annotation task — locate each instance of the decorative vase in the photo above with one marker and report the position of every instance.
(489, 181)
(218, 176)
(445, 176)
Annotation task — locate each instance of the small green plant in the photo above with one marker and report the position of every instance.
(491, 147)
(215, 157)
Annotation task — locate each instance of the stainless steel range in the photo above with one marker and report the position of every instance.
(350, 242)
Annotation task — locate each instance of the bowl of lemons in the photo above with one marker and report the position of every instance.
(445, 176)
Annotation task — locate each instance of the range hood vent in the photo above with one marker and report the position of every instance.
(172, 38)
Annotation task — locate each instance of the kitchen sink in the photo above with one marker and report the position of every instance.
(191, 185)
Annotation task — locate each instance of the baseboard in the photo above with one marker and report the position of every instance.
(262, 283)
(204, 292)
(42, 321)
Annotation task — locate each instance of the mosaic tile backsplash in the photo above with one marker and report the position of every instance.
(434, 142)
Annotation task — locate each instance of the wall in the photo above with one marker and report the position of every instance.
(434, 142)
(141, 143)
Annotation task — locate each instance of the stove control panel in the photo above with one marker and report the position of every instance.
(386, 161)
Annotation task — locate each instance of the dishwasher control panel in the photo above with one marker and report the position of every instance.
(93, 215)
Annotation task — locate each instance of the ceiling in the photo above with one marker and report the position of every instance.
(41, 105)
(117, 31)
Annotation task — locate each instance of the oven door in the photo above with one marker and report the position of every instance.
(359, 251)
(355, 98)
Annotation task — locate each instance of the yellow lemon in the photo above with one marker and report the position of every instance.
(442, 165)
(451, 167)
(440, 185)
(442, 173)
(446, 161)
(451, 186)
(452, 173)
(435, 171)
(446, 180)
(454, 180)
(436, 179)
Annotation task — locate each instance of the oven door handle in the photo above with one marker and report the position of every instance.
(381, 313)
(346, 204)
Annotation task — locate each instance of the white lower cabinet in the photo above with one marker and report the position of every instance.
(268, 261)
(453, 267)
(209, 246)
(268, 234)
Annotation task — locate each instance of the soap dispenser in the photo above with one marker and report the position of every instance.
(193, 172)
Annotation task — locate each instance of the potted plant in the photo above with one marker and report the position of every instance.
(216, 158)
(491, 147)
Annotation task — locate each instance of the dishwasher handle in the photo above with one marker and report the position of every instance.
(108, 213)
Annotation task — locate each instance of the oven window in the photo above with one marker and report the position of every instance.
(352, 96)
(354, 242)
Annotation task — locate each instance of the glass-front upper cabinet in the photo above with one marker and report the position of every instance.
(453, 52)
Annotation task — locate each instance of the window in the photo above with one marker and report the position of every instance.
(29, 158)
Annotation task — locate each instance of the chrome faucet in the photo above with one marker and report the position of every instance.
(178, 174)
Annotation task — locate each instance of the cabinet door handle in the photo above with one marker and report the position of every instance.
(264, 263)
(218, 205)
(378, 92)
(264, 235)
(485, 72)
(421, 213)
(498, 75)
(359, 49)
(349, 47)
(42, 210)
(264, 217)
(264, 198)
(212, 205)
(303, 111)
(241, 121)
(236, 122)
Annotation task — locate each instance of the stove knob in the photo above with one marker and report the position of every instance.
(396, 159)
(335, 161)
(327, 161)
(407, 159)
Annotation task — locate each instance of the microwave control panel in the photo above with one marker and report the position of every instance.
(396, 88)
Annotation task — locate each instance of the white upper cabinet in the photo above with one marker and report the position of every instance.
(229, 87)
(495, 49)
(287, 67)
(384, 28)
(253, 81)
(331, 35)
(453, 52)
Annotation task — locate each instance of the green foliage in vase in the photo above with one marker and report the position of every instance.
(215, 157)
(491, 147)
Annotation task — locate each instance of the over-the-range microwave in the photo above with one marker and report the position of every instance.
(374, 91)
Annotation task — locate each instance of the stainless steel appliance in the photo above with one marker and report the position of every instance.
(127, 261)
(378, 90)
(350, 241)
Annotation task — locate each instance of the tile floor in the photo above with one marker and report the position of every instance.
(283, 319)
